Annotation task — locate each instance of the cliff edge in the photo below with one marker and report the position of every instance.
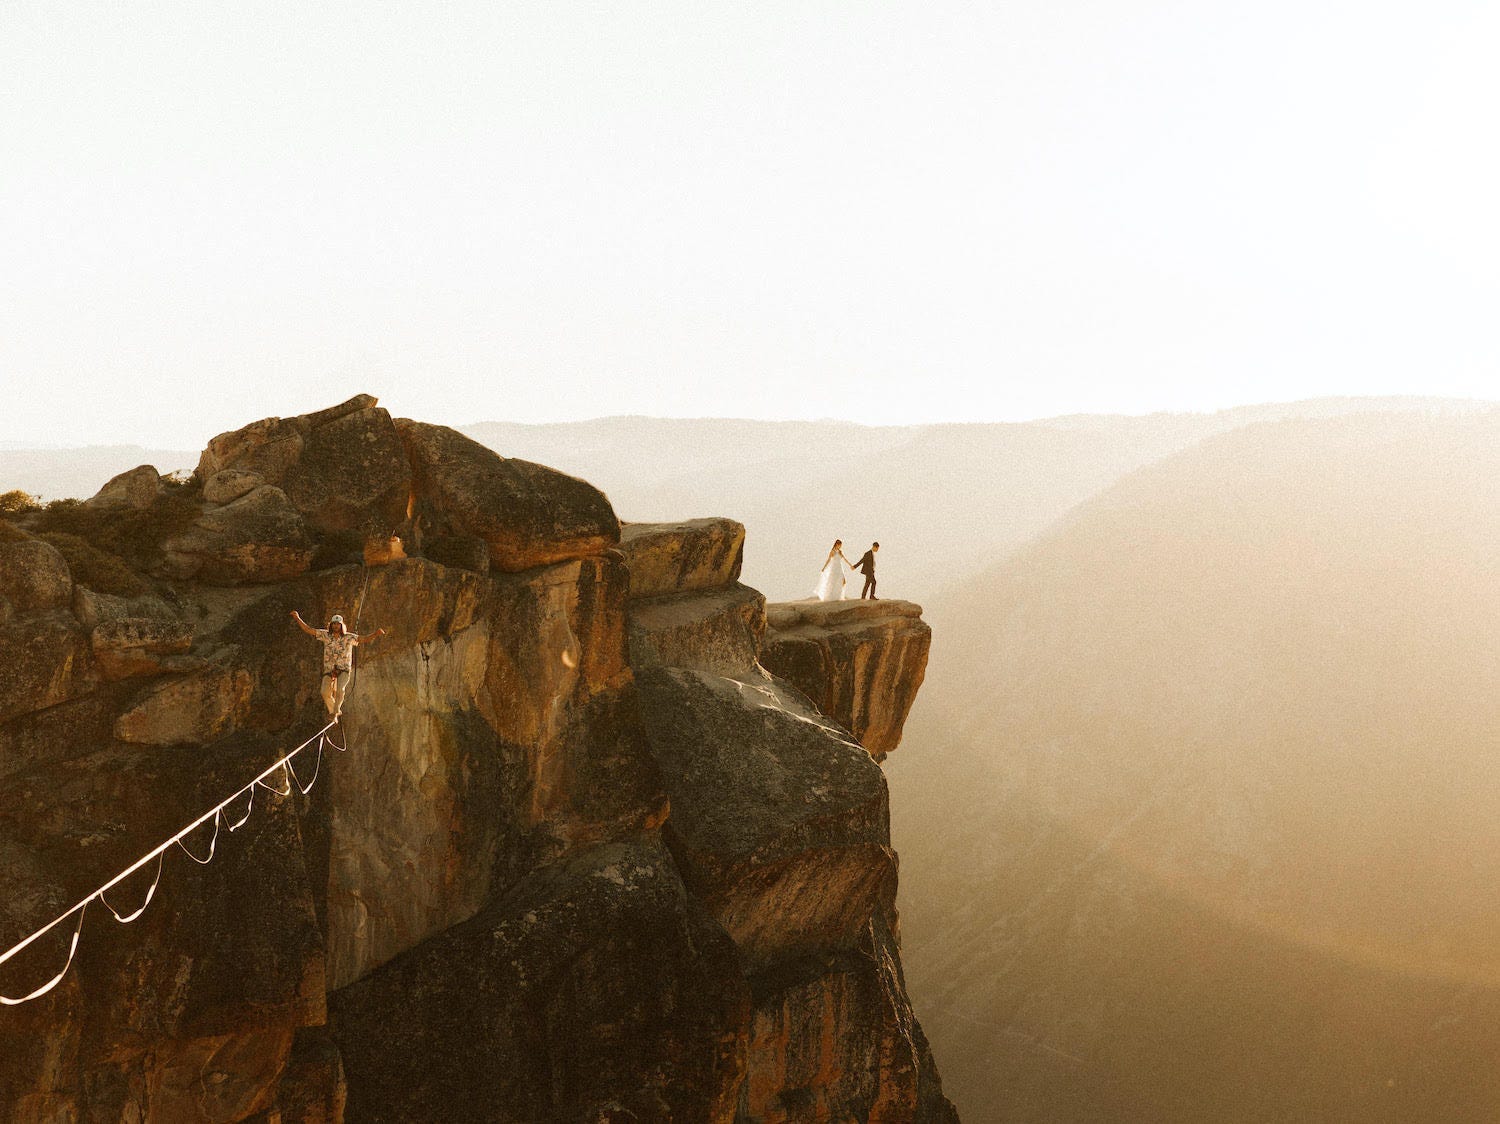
(860, 662)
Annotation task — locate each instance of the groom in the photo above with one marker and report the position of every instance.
(866, 566)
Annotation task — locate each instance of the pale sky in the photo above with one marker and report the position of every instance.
(887, 212)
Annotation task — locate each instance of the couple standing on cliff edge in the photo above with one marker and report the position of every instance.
(831, 584)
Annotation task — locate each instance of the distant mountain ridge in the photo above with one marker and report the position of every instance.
(59, 473)
(944, 500)
(1199, 819)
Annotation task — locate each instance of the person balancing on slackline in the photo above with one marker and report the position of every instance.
(338, 657)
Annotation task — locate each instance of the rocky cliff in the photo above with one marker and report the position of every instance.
(860, 662)
(586, 858)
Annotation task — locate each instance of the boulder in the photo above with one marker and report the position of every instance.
(137, 490)
(260, 537)
(46, 662)
(230, 484)
(799, 859)
(195, 709)
(128, 646)
(266, 448)
(351, 474)
(33, 576)
(714, 631)
(342, 469)
(594, 990)
(861, 662)
(333, 413)
(132, 636)
(382, 550)
(779, 822)
(697, 554)
(529, 515)
(93, 608)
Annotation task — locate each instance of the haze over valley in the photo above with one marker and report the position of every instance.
(1197, 812)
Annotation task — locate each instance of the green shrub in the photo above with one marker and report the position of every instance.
(17, 502)
(92, 567)
(62, 512)
(135, 536)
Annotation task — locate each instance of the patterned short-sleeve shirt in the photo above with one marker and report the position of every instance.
(338, 651)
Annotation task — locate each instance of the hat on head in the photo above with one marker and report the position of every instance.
(336, 619)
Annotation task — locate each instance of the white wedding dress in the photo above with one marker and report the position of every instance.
(831, 581)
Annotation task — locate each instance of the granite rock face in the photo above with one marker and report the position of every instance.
(528, 514)
(584, 858)
(47, 662)
(136, 489)
(667, 558)
(259, 538)
(276, 485)
(33, 576)
(778, 820)
(595, 989)
(780, 826)
(860, 662)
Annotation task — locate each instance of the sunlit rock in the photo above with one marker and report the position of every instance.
(136, 490)
(861, 662)
(581, 855)
(529, 515)
(33, 576)
(682, 557)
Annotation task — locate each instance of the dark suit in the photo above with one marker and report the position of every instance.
(866, 566)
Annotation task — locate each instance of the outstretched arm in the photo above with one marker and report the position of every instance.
(368, 637)
(302, 624)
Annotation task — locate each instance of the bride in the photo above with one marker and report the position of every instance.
(831, 584)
